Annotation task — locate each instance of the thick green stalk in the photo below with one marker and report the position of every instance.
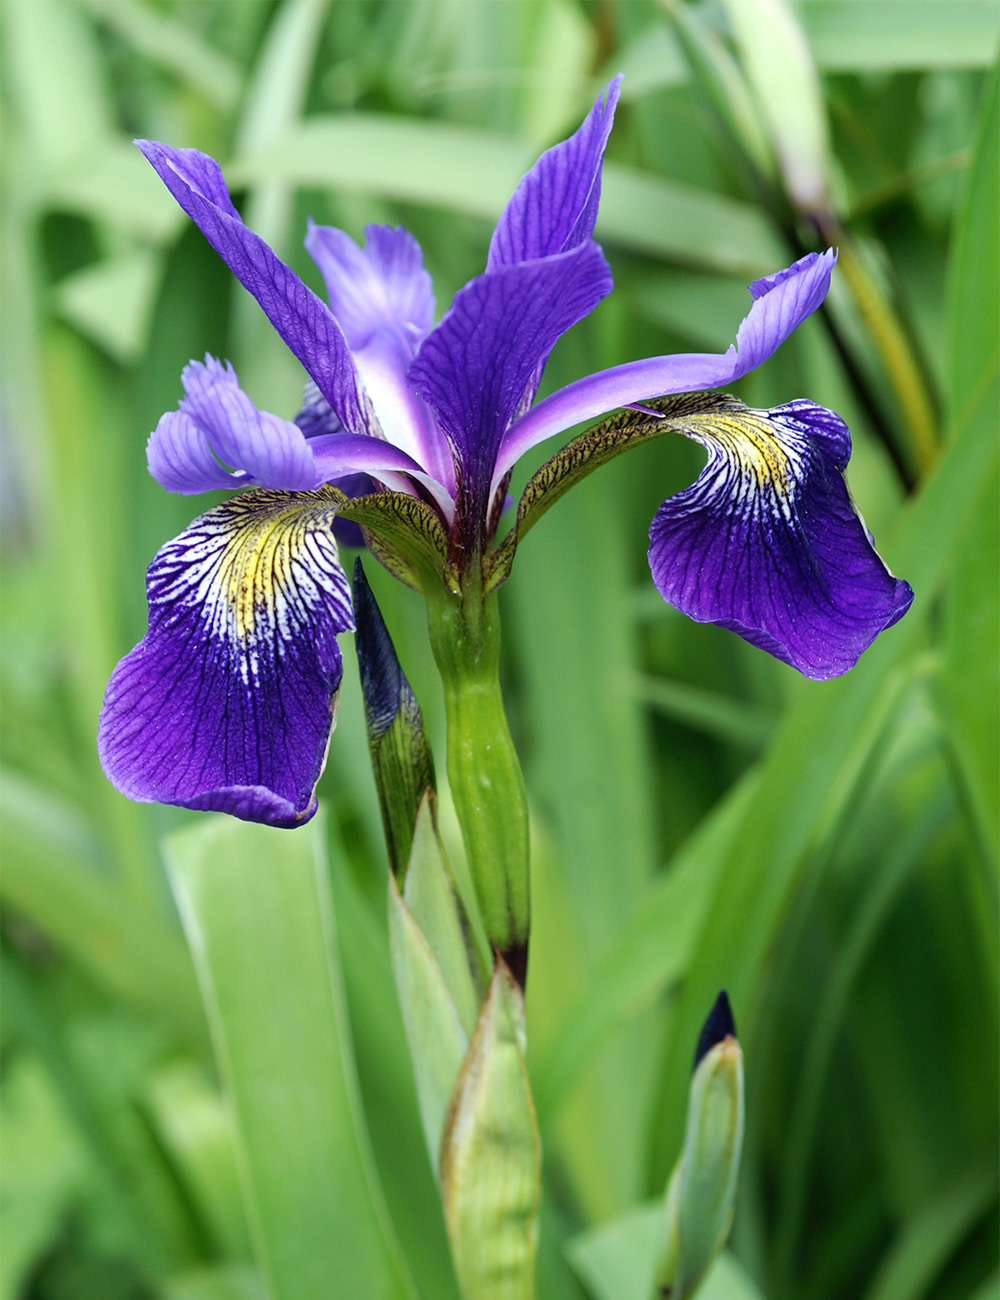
(483, 768)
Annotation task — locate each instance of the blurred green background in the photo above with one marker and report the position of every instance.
(703, 817)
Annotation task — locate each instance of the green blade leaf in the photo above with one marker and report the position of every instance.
(928, 1241)
(780, 69)
(174, 46)
(257, 913)
(491, 1157)
(876, 36)
(53, 877)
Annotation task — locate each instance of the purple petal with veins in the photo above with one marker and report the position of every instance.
(229, 700)
(781, 303)
(768, 544)
(301, 319)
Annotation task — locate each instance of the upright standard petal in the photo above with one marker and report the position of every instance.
(229, 700)
(554, 207)
(383, 284)
(473, 368)
(302, 320)
(767, 541)
(781, 303)
(383, 301)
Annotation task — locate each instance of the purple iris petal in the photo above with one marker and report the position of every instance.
(228, 701)
(273, 453)
(781, 303)
(340, 454)
(767, 542)
(301, 319)
(384, 284)
(352, 453)
(554, 207)
(474, 367)
(383, 301)
(317, 415)
(180, 458)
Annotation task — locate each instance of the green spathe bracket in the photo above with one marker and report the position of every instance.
(439, 977)
(434, 902)
(434, 1031)
(257, 913)
(491, 1156)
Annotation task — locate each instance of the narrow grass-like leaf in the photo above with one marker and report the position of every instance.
(723, 82)
(969, 681)
(928, 1241)
(196, 1129)
(707, 711)
(111, 302)
(116, 186)
(851, 37)
(55, 879)
(827, 1019)
(780, 69)
(257, 912)
(56, 82)
(224, 1282)
(650, 952)
(274, 101)
(617, 1259)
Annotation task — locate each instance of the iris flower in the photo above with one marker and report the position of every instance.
(229, 700)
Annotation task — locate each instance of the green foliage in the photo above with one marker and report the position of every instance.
(701, 818)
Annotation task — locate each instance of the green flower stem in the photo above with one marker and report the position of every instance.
(483, 768)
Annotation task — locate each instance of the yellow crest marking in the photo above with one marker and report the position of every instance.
(265, 533)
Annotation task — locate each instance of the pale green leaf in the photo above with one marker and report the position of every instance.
(927, 1242)
(54, 878)
(895, 35)
(256, 908)
(781, 71)
(224, 1282)
(111, 302)
(974, 270)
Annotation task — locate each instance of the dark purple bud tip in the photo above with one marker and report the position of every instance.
(382, 680)
(719, 1025)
